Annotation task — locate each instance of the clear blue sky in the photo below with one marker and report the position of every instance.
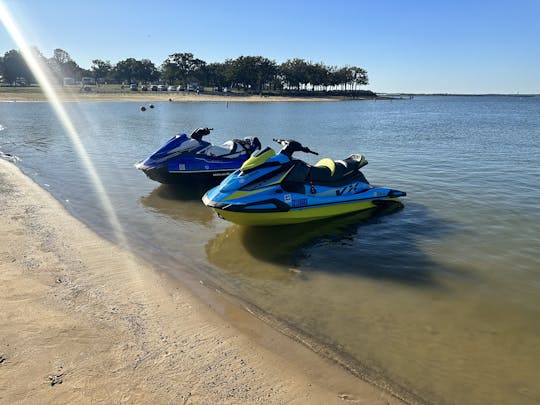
(459, 46)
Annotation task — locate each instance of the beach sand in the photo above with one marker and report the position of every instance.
(85, 321)
(33, 94)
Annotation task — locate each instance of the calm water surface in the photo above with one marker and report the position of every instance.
(441, 297)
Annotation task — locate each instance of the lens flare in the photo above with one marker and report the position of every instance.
(43, 76)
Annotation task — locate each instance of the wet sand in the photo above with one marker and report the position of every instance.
(85, 321)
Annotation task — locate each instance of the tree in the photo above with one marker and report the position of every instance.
(352, 76)
(14, 67)
(101, 69)
(317, 74)
(294, 72)
(62, 65)
(360, 76)
(339, 76)
(183, 67)
(71, 69)
(133, 71)
(214, 74)
(60, 56)
(252, 72)
(125, 70)
(266, 71)
(147, 71)
(168, 71)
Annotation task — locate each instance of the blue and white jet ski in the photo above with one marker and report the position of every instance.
(188, 159)
(275, 189)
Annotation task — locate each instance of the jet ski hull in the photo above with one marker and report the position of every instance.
(164, 176)
(283, 209)
(297, 216)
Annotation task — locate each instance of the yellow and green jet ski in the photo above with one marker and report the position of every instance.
(275, 189)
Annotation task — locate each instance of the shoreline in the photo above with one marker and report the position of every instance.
(85, 320)
(67, 95)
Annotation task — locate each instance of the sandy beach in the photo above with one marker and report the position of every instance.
(34, 94)
(85, 321)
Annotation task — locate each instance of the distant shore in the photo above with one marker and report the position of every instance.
(75, 94)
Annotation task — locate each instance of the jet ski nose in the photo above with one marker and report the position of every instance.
(140, 165)
(396, 193)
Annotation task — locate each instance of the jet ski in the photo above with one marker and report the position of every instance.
(275, 189)
(189, 159)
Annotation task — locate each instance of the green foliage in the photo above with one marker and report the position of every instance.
(168, 72)
(246, 73)
(148, 72)
(61, 57)
(215, 74)
(297, 72)
(251, 72)
(14, 69)
(62, 66)
(101, 70)
(294, 72)
(183, 68)
(134, 71)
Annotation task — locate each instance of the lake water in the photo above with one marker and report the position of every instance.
(440, 298)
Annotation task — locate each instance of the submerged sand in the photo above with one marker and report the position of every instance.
(85, 321)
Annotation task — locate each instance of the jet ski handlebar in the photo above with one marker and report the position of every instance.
(200, 132)
(288, 147)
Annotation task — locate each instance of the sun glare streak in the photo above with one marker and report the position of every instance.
(40, 72)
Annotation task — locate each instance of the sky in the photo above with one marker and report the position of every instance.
(410, 46)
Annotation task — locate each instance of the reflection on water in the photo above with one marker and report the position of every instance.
(179, 203)
(283, 244)
(275, 252)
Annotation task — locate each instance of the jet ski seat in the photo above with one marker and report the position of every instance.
(232, 149)
(352, 163)
(328, 163)
(333, 171)
(228, 148)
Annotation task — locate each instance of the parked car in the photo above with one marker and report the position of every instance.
(162, 87)
(133, 87)
(144, 87)
(180, 88)
(171, 88)
(154, 87)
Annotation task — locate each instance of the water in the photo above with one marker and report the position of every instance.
(441, 297)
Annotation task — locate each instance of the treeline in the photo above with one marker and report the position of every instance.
(247, 73)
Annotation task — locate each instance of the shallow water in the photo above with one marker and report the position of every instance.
(440, 297)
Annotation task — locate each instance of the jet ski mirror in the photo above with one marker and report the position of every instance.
(200, 132)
